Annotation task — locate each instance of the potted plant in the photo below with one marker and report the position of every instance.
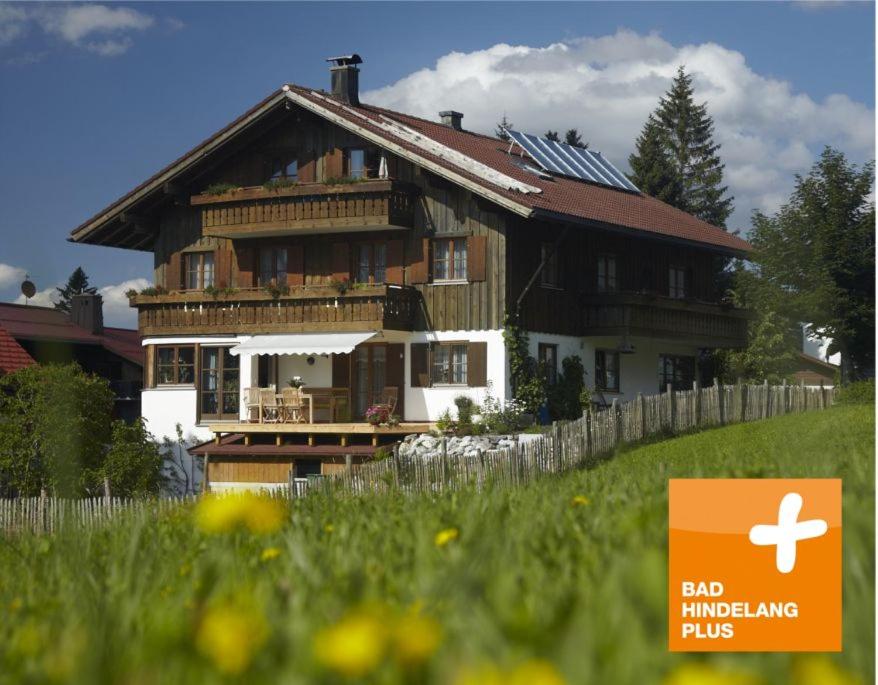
(296, 382)
(377, 414)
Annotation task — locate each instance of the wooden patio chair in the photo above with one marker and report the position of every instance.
(251, 403)
(292, 405)
(389, 398)
(269, 410)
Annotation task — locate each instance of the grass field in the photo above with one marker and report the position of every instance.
(562, 581)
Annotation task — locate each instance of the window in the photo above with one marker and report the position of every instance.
(362, 162)
(606, 370)
(272, 266)
(548, 356)
(449, 364)
(607, 273)
(677, 282)
(175, 365)
(676, 370)
(550, 277)
(449, 259)
(219, 388)
(371, 262)
(284, 166)
(199, 270)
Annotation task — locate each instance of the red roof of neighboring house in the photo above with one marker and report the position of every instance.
(26, 322)
(558, 197)
(12, 355)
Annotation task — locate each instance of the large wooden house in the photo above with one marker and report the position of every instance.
(375, 254)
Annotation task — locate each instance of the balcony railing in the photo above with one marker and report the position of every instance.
(307, 208)
(304, 308)
(655, 316)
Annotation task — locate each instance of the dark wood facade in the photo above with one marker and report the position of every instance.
(319, 226)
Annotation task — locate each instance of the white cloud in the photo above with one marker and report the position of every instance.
(101, 29)
(606, 86)
(10, 275)
(117, 312)
(13, 21)
(43, 298)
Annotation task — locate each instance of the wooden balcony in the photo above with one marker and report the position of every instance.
(306, 308)
(307, 208)
(655, 316)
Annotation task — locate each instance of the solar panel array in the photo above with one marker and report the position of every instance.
(575, 162)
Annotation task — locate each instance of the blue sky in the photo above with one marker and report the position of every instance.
(98, 97)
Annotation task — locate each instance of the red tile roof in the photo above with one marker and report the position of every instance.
(565, 196)
(25, 322)
(561, 198)
(12, 355)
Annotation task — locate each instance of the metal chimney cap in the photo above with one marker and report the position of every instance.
(345, 60)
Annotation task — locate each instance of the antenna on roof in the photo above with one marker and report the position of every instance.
(28, 289)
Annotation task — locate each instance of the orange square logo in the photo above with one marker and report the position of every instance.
(754, 565)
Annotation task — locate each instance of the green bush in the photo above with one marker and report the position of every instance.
(861, 392)
(133, 465)
(465, 407)
(565, 397)
(219, 188)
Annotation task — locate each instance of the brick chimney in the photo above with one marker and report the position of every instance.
(451, 119)
(87, 311)
(346, 78)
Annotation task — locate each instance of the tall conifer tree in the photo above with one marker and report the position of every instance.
(77, 284)
(694, 157)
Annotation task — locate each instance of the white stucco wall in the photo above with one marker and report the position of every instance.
(163, 408)
(317, 375)
(428, 404)
(638, 372)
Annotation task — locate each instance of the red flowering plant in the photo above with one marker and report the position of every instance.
(378, 414)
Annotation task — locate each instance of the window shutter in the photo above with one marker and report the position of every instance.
(477, 364)
(173, 273)
(295, 265)
(222, 261)
(341, 262)
(419, 264)
(307, 165)
(245, 267)
(149, 367)
(420, 365)
(476, 257)
(333, 164)
(394, 262)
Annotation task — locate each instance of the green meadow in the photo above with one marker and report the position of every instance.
(561, 581)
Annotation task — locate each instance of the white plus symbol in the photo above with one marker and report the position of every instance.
(788, 531)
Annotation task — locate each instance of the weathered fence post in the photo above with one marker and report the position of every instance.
(672, 407)
(556, 446)
(443, 455)
(106, 492)
(291, 482)
(766, 406)
(396, 464)
(641, 404)
(696, 396)
(589, 444)
(720, 401)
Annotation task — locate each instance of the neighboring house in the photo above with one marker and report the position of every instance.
(813, 371)
(376, 254)
(45, 335)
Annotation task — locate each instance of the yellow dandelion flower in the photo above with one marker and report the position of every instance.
(353, 647)
(443, 537)
(535, 672)
(230, 635)
(225, 513)
(579, 501)
(269, 553)
(328, 528)
(817, 669)
(415, 639)
(704, 674)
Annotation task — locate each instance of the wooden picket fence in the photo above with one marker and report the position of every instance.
(566, 445)
(582, 442)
